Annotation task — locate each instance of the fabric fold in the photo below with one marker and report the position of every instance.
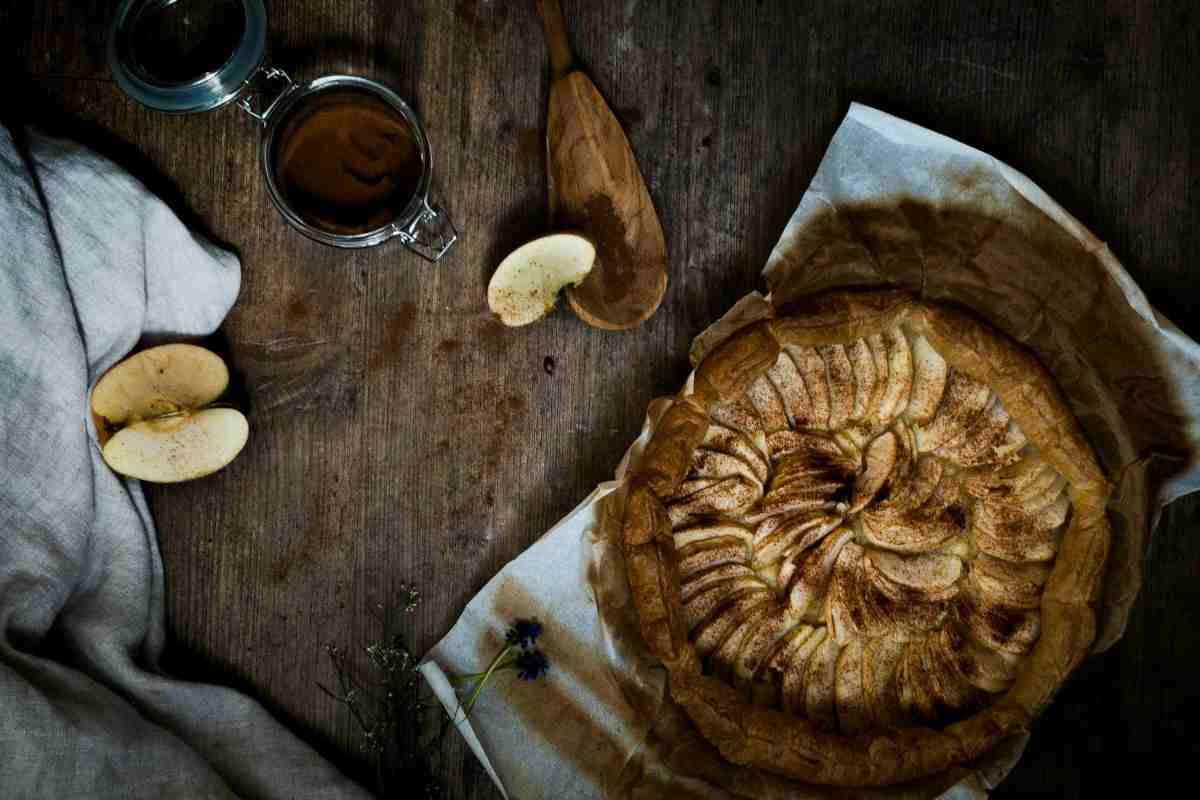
(93, 264)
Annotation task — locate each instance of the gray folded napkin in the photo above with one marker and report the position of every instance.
(91, 264)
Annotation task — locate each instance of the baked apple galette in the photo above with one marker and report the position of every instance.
(865, 541)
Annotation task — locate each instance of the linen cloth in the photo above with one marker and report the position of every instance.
(91, 264)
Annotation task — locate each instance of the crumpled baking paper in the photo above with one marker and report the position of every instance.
(891, 204)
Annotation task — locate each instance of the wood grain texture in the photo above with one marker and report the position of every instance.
(398, 433)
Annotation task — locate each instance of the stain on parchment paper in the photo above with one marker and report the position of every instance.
(561, 710)
(1148, 396)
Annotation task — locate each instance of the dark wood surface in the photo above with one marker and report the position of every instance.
(399, 434)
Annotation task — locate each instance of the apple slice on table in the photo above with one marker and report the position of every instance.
(154, 420)
(525, 286)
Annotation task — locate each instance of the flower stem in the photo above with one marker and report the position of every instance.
(461, 679)
(483, 681)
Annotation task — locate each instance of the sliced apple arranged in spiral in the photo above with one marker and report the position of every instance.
(820, 685)
(864, 537)
(155, 417)
(926, 577)
(920, 513)
(858, 606)
(788, 664)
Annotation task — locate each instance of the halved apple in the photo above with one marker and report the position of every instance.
(153, 420)
(525, 286)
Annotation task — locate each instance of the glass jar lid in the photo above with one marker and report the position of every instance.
(181, 56)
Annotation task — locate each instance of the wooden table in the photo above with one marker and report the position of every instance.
(400, 434)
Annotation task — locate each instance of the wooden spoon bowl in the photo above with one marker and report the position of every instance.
(596, 187)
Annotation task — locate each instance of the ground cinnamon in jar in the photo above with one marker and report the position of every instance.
(346, 162)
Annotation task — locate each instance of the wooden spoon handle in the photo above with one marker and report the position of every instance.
(561, 60)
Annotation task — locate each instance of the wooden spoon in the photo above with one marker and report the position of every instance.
(596, 186)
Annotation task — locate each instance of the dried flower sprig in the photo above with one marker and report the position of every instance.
(391, 709)
(518, 653)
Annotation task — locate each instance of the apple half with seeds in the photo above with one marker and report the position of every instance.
(155, 419)
(525, 286)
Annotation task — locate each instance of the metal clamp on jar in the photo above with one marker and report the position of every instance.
(346, 160)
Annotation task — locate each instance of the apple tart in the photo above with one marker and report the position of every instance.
(866, 540)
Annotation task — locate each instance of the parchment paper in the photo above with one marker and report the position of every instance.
(891, 203)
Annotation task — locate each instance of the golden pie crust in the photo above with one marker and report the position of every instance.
(866, 541)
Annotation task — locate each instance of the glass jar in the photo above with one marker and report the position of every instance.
(189, 56)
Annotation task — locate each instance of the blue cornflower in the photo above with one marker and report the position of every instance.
(517, 654)
(532, 664)
(524, 632)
